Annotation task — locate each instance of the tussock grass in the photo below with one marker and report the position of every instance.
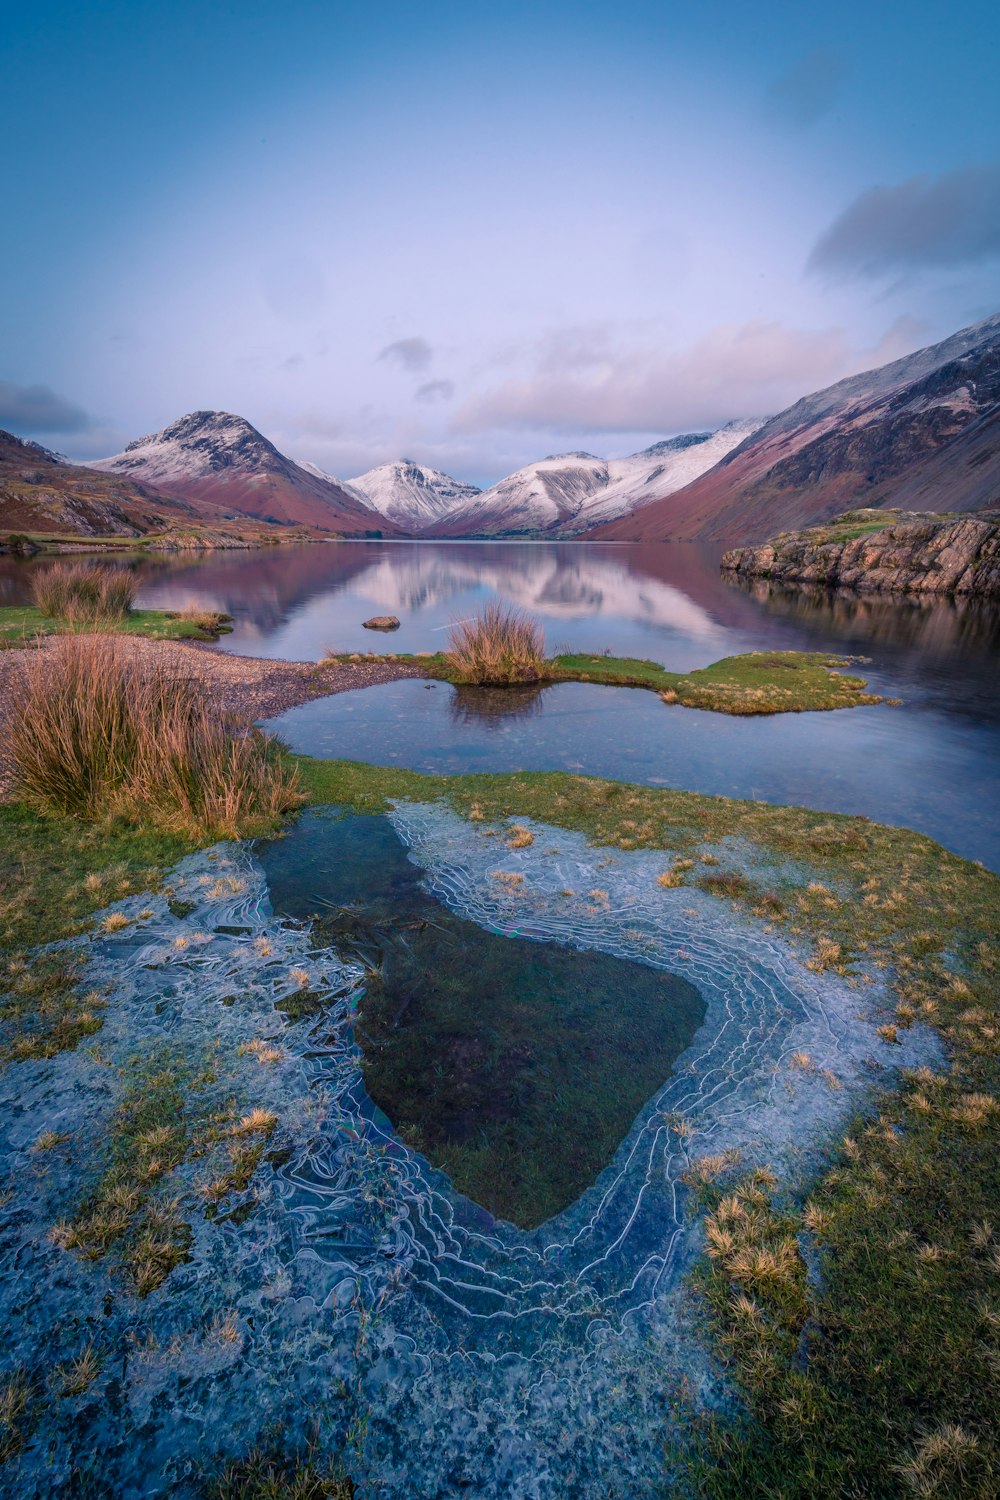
(84, 593)
(208, 622)
(271, 1476)
(501, 645)
(96, 735)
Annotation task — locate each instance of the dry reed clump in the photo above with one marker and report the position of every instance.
(500, 646)
(94, 734)
(84, 593)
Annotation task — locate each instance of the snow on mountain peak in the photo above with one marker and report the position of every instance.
(411, 494)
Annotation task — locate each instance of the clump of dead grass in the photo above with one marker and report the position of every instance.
(84, 593)
(94, 734)
(499, 646)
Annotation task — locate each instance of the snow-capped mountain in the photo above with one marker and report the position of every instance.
(411, 494)
(542, 497)
(568, 493)
(660, 470)
(218, 458)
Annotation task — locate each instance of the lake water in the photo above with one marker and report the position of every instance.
(930, 764)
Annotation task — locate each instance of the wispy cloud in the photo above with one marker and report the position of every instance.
(810, 89)
(435, 390)
(414, 354)
(37, 408)
(945, 221)
(736, 370)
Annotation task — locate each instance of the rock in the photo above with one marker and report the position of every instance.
(914, 554)
(381, 622)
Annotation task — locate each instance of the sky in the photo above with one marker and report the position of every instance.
(475, 234)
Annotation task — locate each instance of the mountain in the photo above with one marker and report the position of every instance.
(43, 493)
(542, 498)
(216, 458)
(568, 493)
(637, 481)
(410, 494)
(920, 433)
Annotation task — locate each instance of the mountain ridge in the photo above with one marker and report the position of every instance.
(874, 439)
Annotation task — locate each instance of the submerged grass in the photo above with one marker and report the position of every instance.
(276, 1476)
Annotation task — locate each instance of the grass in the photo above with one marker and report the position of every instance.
(274, 1476)
(760, 682)
(20, 624)
(96, 734)
(499, 646)
(84, 593)
(54, 874)
(166, 1115)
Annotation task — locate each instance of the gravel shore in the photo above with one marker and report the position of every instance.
(247, 687)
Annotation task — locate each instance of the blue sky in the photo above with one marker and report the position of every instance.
(476, 234)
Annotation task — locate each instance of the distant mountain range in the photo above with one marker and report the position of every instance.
(569, 493)
(920, 433)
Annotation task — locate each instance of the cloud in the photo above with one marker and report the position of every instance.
(36, 408)
(810, 89)
(435, 390)
(735, 370)
(414, 355)
(951, 220)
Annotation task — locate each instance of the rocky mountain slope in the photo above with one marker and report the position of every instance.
(216, 458)
(410, 494)
(568, 493)
(912, 554)
(924, 428)
(42, 493)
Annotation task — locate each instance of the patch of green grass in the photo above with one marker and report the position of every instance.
(20, 624)
(759, 682)
(54, 874)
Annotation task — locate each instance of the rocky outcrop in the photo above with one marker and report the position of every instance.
(926, 554)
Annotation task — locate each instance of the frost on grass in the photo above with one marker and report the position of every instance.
(221, 1237)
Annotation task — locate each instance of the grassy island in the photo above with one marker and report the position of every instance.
(759, 682)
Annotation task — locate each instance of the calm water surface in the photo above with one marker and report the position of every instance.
(931, 764)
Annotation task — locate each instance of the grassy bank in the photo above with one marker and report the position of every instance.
(760, 682)
(20, 624)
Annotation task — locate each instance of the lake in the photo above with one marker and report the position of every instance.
(930, 764)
